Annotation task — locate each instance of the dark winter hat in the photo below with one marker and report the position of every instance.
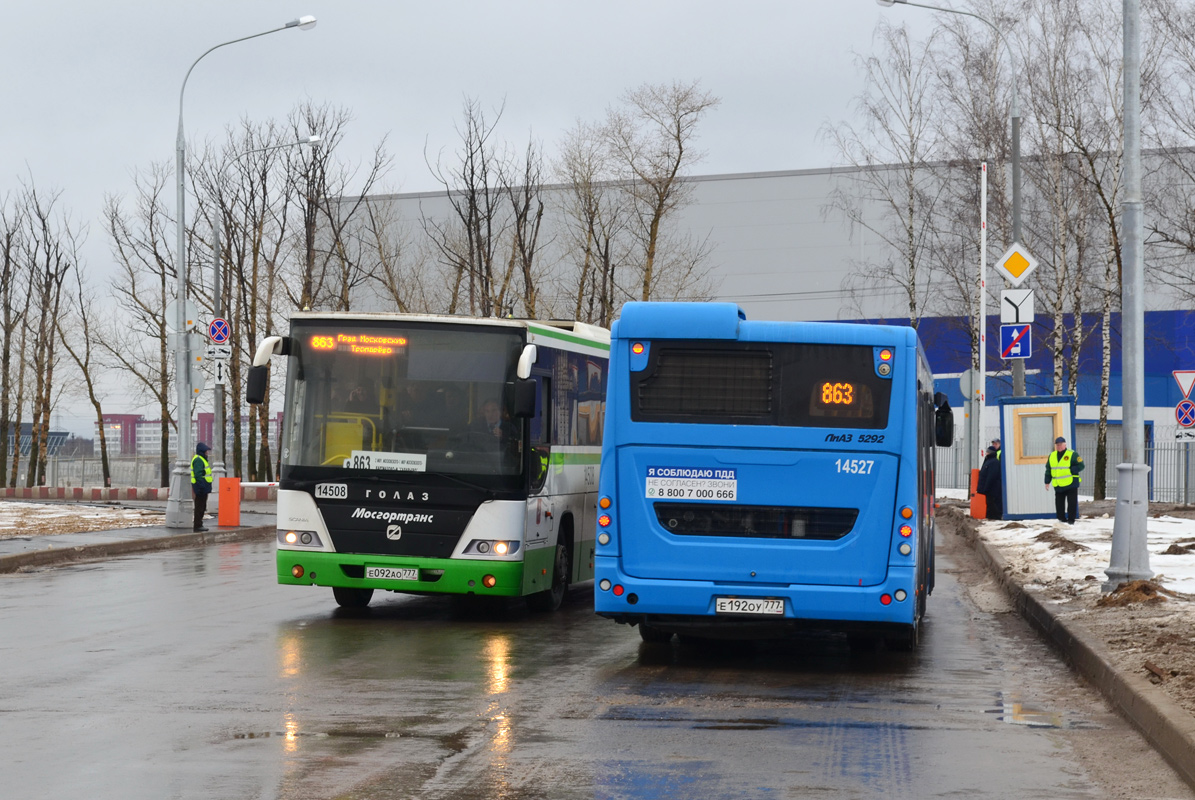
(202, 448)
(992, 449)
(1060, 440)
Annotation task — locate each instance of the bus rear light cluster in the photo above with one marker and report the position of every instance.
(604, 521)
(300, 538)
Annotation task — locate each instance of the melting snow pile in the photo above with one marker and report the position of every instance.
(47, 519)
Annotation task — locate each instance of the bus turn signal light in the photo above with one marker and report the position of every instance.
(489, 581)
(906, 512)
(604, 502)
(297, 571)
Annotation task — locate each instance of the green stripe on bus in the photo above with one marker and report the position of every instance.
(575, 458)
(555, 334)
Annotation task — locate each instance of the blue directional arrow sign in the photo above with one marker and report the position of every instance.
(1015, 341)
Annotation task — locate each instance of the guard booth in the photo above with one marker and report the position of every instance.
(1028, 428)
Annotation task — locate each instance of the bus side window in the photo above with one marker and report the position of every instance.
(541, 432)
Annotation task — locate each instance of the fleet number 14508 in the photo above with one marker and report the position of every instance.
(854, 466)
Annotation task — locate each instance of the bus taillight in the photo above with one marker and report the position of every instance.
(604, 520)
(906, 531)
(637, 348)
(618, 590)
(886, 599)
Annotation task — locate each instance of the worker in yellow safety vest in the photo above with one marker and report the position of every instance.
(201, 483)
(1062, 472)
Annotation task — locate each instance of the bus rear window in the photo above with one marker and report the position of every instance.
(795, 385)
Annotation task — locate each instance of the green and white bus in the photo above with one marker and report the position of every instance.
(437, 454)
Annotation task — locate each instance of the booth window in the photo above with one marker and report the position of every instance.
(1035, 430)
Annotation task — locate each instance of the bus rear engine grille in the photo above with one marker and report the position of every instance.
(756, 522)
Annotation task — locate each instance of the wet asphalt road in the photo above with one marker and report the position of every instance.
(190, 674)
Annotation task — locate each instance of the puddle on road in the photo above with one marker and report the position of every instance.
(1015, 711)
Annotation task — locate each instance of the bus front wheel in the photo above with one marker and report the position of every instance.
(551, 599)
(349, 597)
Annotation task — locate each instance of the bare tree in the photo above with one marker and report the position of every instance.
(13, 303)
(79, 337)
(892, 170)
(651, 140)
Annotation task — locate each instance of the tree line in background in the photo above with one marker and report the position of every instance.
(303, 228)
(932, 110)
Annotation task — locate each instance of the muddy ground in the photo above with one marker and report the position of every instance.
(1146, 629)
(19, 519)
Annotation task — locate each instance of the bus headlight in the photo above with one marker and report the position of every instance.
(299, 539)
(491, 547)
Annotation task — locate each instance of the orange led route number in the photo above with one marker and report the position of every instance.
(361, 344)
(838, 394)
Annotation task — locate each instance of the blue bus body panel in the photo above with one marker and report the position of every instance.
(659, 572)
(805, 478)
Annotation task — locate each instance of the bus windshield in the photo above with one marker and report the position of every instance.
(409, 397)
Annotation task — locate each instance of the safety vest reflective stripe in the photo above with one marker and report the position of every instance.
(1060, 469)
(207, 468)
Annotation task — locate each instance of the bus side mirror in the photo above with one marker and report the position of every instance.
(943, 422)
(257, 384)
(524, 405)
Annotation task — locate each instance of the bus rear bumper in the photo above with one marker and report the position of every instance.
(682, 605)
(436, 575)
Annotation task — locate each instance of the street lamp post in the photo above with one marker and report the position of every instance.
(1018, 365)
(179, 509)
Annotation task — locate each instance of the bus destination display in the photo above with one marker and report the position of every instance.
(359, 344)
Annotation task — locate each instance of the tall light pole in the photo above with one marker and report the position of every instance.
(1018, 365)
(179, 508)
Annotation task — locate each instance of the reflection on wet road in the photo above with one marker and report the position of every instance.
(191, 674)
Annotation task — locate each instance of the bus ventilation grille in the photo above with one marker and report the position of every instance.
(756, 522)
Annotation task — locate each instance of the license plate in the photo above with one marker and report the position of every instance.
(749, 605)
(392, 573)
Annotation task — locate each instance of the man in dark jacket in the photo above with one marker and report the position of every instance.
(201, 483)
(991, 483)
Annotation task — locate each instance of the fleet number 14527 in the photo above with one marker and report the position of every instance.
(854, 466)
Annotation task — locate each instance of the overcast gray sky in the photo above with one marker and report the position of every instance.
(90, 90)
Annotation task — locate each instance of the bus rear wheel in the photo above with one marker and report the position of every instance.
(349, 597)
(551, 599)
(652, 635)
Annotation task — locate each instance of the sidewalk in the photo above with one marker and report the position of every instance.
(1166, 725)
(27, 552)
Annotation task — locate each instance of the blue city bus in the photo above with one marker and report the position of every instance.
(761, 478)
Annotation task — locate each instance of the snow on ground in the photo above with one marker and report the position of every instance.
(1049, 551)
(46, 519)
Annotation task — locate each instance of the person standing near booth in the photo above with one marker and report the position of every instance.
(201, 483)
(991, 484)
(1062, 472)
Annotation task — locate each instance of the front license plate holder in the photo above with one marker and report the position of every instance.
(754, 606)
(392, 573)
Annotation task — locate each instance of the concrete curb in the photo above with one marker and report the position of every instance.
(251, 493)
(56, 557)
(1166, 725)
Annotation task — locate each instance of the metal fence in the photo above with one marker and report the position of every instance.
(1171, 476)
(88, 472)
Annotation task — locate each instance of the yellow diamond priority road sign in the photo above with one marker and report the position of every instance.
(1016, 264)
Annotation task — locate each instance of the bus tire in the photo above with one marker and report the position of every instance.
(652, 635)
(349, 597)
(905, 642)
(551, 599)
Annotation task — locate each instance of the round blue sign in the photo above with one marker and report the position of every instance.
(219, 331)
(1184, 412)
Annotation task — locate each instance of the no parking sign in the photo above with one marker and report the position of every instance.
(219, 330)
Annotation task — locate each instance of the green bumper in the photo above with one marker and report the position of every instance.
(436, 575)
